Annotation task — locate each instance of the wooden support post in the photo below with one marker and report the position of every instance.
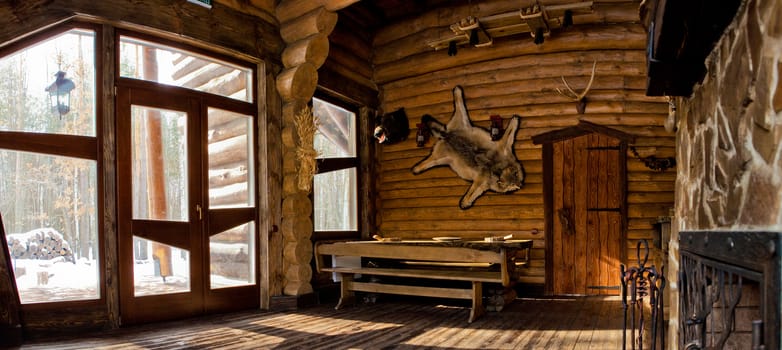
(298, 83)
(317, 21)
(313, 49)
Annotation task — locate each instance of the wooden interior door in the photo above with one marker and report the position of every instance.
(588, 206)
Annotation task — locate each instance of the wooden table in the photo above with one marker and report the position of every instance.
(472, 261)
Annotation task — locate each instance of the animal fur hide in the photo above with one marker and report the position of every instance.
(472, 155)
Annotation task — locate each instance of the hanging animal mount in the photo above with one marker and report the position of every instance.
(579, 97)
(470, 152)
(392, 127)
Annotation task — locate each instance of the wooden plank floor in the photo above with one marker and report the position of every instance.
(554, 323)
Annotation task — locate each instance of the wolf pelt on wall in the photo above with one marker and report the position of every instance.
(472, 155)
(392, 127)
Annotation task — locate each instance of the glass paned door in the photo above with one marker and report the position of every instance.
(158, 150)
(159, 204)
(231, 182)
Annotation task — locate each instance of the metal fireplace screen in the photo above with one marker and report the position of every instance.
(729, 290)
(642, 288)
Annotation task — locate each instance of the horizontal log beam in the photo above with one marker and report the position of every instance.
(179, 20)
(618, 36)
(416, 42)
(318, 21)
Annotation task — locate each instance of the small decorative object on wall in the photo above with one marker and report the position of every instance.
(472, 155)
(392, 127)
(306, 127)
(496, 127)
(538, 20)
(654, 163)
(580, 98)
(422, 135)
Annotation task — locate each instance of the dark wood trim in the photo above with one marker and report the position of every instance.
(582, 128)
(211, 100)
(558, 135)
(108, 173)
(333, 235)
(326, 165)
(333, 83)
(367, 173)
(85, 147)
(623, 200)
(10, 317)
(40, 34)
(167, 232)
(548, 214)
(600, 129)
(226, 218)
(178, 21)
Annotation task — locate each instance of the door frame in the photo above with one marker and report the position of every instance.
(203, 299)
(547, 140)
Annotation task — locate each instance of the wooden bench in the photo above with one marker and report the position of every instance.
(476, 262)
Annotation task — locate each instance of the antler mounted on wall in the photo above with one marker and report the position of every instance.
(580, 98)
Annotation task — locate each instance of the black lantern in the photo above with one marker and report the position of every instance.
(60, 93)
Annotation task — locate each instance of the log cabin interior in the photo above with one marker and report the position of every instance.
(165, 160)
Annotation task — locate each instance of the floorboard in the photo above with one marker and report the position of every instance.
(401, 323)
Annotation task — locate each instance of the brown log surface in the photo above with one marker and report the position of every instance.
(515, 77)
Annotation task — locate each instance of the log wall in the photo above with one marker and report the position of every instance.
(347, 71)
(515, 76)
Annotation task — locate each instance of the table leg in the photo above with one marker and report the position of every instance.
(477, 301)
(346, 294)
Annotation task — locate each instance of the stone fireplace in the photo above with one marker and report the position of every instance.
(729, 143)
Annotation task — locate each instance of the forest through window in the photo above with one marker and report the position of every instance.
(49, 202)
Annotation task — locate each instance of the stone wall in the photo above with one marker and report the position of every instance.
(729, 132)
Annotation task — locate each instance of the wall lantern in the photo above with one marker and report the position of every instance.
(60, 94)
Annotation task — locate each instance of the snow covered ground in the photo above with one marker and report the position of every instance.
(41, 281)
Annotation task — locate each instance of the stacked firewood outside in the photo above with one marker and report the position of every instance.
(41, 244)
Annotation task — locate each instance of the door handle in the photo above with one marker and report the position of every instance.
(198, 210)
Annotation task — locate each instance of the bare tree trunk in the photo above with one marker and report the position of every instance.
(156, 166)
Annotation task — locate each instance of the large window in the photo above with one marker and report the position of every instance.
(167, 65)
(49, 187)
(335, 188)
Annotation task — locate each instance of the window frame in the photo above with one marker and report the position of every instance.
(325, 165)
(75, 146)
